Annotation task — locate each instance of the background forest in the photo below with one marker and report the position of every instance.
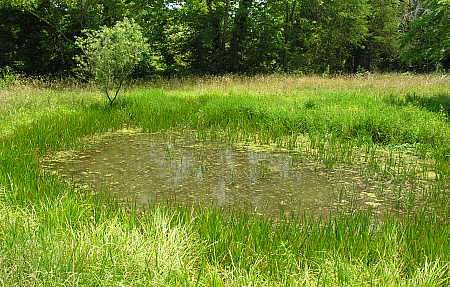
(235, 36)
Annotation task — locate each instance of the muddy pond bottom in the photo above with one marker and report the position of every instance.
(156, 168)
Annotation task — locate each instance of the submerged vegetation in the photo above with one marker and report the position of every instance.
(395, 126)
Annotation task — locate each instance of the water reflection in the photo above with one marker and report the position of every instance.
(152, 168)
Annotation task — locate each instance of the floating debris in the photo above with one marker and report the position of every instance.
(158, 167)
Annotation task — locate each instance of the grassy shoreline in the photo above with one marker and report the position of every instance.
(53, 235)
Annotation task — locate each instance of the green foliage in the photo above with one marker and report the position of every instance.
(8, 77)
(22, 4)
(426, 44)
(341, 28)
(380, 49)
(236, 36)
(53, 235)
(110, 55)
(37, 37)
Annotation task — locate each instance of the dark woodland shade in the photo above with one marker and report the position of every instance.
(237, 36)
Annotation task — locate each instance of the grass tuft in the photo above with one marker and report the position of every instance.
(52, 234)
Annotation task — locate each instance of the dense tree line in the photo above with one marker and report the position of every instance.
(237, 36)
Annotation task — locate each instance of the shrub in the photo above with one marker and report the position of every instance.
(110, 55)
(8, 77)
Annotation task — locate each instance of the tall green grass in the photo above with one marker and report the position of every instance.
(52, 234)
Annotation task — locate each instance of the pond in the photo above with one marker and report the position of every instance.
(152, 168)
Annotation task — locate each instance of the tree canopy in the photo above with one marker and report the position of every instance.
(237, 36)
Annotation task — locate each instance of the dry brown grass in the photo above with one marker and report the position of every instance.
(285, 84)
(395, 83)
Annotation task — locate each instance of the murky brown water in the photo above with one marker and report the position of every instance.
(153, 168)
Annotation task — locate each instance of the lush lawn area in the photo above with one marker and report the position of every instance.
(54, 235)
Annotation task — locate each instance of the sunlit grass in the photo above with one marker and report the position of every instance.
(287, 84)
(54, 235)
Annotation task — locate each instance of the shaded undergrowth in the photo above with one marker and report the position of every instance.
(438, 103)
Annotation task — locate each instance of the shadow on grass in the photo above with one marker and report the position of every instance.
(439, 103)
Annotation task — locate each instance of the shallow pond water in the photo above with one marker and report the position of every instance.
(154, 168)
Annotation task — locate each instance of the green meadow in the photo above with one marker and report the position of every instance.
(393, 125)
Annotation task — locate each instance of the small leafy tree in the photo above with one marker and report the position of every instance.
(110, 55)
